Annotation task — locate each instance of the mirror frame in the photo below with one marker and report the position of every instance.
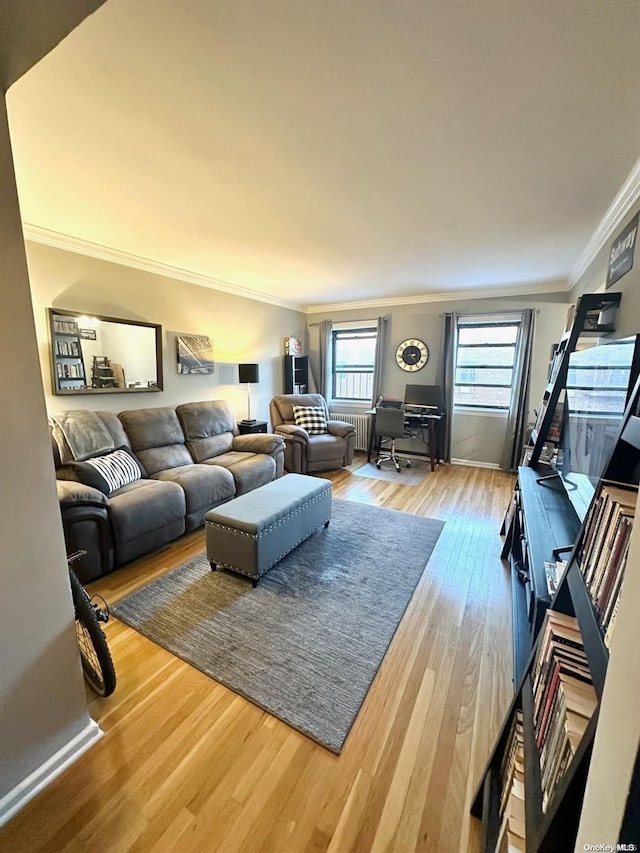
(61, 312)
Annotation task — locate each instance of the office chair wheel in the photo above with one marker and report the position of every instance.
(407, 464)
(378, 465)
(397, 468)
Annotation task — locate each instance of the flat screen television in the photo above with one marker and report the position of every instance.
(597, 387)
(423, 396)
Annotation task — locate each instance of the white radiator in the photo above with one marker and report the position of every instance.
(360, 422)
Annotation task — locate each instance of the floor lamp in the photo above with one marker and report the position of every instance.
(248, 373)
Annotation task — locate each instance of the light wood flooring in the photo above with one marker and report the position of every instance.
(187, 765)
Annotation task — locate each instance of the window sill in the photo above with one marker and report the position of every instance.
(347, 405)
(485, 413)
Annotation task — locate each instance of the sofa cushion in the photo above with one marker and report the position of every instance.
(156, 437)
(249, 470)
(144, 506)
(203, 485)
(106, 472)
(311, 418)
(208, 427)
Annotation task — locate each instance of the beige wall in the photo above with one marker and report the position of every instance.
(476, 438)
(593, 280)
(43, 716)
(618, 736)
(242, 330)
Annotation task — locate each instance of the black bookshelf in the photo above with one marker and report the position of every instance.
(585, 319)
(554, 829)
(296, 374)
(67, 366)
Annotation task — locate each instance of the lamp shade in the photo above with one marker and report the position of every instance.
(248, 373)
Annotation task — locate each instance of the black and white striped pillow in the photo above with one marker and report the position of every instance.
(311, 418)
(108, 472)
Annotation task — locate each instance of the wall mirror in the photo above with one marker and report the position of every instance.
(91, 354)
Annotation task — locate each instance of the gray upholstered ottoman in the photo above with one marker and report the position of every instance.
(250, 534)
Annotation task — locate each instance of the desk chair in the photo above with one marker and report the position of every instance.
(390, 425)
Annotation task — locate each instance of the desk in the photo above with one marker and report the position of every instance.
(432, 423)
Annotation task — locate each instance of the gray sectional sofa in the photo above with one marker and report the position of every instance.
(192, 459)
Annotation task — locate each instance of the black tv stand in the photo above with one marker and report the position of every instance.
(538, 524)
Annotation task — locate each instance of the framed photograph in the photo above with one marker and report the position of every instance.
(195, 353)
(87, 334)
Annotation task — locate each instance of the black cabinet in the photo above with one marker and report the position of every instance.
(296, 374)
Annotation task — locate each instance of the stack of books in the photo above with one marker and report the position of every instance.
(604, 549)
(563, 698)
(511, 838)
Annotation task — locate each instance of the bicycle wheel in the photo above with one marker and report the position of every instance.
(97, 665)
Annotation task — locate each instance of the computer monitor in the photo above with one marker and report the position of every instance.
(424, 396)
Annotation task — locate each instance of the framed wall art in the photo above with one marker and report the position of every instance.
(195, 353)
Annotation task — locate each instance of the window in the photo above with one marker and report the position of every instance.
(353, 355)
(485, 354)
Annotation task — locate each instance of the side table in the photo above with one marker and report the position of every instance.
(248, 428)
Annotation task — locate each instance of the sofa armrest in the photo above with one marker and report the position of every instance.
(293, 432)
(341, 428)
(72, 494)
(85, 521)
(268, 443)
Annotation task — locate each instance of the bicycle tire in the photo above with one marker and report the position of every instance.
(97, 665)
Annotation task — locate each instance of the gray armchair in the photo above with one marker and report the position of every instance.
(305, 453)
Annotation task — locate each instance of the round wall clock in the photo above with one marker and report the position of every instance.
(412, 354)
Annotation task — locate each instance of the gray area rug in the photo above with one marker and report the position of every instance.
(306, 643)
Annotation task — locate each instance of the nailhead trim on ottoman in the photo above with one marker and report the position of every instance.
(252, 533)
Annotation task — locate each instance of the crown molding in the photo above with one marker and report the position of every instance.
(47, 237)
(446, 296)
(626, 197)
(36, 234)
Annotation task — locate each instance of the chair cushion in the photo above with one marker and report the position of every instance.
(311, 418)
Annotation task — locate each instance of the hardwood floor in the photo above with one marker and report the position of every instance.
(187, 765)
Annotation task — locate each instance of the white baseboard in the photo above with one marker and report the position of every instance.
(26, 790)
(473, 463)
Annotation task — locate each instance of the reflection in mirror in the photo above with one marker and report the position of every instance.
(103, 355)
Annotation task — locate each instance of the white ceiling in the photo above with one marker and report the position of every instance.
(323, 151)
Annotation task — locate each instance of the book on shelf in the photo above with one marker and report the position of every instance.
(564, 698)
(556, 362)
(610, 501)
(512, 792)
(553, 570)
(571, 313)
(555, 428)
(603, 555)
(608, 636)
(292, 346)
(65, 327)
